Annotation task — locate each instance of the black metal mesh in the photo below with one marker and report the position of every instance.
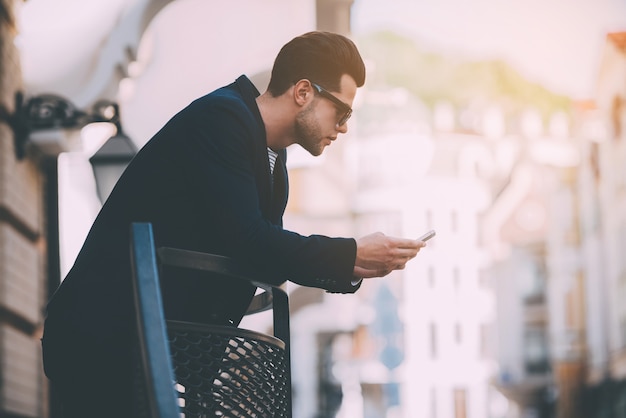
(228, 372)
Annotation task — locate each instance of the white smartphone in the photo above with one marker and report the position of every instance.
(427, 236)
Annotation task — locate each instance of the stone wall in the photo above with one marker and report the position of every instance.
(23, 388)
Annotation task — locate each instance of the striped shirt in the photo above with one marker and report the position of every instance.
(272, 157)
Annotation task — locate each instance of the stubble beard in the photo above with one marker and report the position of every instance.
(307, 132)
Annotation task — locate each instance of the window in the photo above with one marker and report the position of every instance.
(483, 279)
(533, 279)
(433, 403)
(453, 221)
(617, 110)
(458, 333)
(479, 229)
(536, 350)
(623, 330)
(431, 276)
(455, 277)
(483, 349)
(433, 340)
(622, 315)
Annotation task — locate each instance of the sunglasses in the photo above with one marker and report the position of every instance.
(347, 110)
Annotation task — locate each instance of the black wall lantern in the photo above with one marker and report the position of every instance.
(51, 112)
(110, 161)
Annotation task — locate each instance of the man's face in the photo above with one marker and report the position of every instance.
(316, 125)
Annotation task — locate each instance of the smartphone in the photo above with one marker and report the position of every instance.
(427, 236)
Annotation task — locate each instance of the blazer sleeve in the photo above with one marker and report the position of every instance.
(222, 152)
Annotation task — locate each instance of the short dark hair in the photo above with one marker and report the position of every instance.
(322, 57)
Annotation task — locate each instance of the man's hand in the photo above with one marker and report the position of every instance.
(378, 255)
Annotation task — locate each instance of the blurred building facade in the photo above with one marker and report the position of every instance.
(519, 295)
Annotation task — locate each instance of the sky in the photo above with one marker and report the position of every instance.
(554, 42)
(557, 43)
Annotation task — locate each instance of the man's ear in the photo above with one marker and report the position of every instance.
(303, 92)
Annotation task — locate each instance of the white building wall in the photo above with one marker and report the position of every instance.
(443, 290)
(442, 286)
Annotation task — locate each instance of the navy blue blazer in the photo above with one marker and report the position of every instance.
(203, 181)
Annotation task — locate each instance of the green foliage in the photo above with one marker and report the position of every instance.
(431, 76)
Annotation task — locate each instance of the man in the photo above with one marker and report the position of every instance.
(213, 179)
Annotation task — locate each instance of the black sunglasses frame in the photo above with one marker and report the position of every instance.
(341, 105)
